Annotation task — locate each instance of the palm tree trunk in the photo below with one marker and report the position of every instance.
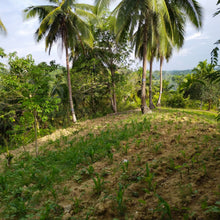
(210, 104)
(144, 108)
(35, 132)
(151, 104)
(161, 82)
(113, 95)
(69, 85)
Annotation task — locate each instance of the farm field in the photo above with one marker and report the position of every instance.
(163, 165)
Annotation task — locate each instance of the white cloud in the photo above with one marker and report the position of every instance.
(182, 52)
(197, 36)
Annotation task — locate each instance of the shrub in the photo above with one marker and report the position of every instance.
(176, 100)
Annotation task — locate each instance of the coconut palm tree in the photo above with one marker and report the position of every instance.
(218, 9)
(63, 21)
(2, 27)
(134, 16)
(161, 58)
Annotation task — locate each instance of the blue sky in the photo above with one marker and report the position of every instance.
(20, 37)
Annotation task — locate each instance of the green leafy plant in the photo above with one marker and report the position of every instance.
(149, 179)
(124, 166)
(98, 184)
(90, 170)
(164, 208)
(157, 148)
(214, 208)
(76, 205)
(120, 199)
(125, 149)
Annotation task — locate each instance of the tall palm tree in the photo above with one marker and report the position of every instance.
(218, 9)
(163, 56)
(133, 16)
(64, 21)
(2, 27)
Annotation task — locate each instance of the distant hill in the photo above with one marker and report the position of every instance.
(170, 75)
(178, 72)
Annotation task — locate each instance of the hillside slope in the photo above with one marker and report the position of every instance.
(126, 166)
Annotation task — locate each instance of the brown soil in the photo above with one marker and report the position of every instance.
(182, 152)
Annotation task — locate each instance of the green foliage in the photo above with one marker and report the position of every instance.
(27, 100)
(98, 184)
(120, 199)
(32, 176)
(176, 100)
(149, 179)
(164, 208)
(213, 209)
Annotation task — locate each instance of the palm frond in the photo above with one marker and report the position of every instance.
(2, 28)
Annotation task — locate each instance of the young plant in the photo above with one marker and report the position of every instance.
(9, 158)
(98, 184)
(76, 205)
(90, 170)
(177, 137)
(149, 140)
(164, 208)
(125, 149)
(157, 148)
(124, 166)
(214, 208)
(120, 200)
(149, 179)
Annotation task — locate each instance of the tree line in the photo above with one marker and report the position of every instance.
(97, 78)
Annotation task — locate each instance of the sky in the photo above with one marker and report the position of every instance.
(20, 36)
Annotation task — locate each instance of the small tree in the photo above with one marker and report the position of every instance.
(27, 96)
(62, 21)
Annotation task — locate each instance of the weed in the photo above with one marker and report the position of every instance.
(170, 122)
(98, 184)
(124, 166)
(65, 139)
(120, 200)
(157, 148)
(138, 159)
(183, 154)
(214, 208)
(125, 149)
(9, 158)
(186, 190)
(90, 170)
(177, 138)
(149, 140)
(3, 183)
(76, 205)
(149, 178)
(164, 208)
(138, 142)
(204, 168)
(171, 164)
(50, 210)
(110, 156)
(206, 139)
(66, 190)
(57, 143)
(91, 154)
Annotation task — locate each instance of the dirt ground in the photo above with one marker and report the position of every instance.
(171, 172)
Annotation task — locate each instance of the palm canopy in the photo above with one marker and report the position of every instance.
(63, 20)
(131, 14)
(2, 28)
(218, 10)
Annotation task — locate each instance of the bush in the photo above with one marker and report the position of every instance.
(193, 104)
(176, 100)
